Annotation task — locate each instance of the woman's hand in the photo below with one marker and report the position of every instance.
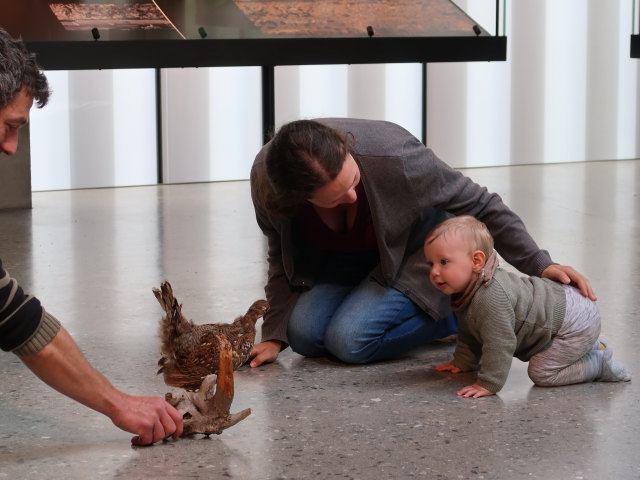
(569, 276)
(474, 391)
(447, 367)
(265, 352)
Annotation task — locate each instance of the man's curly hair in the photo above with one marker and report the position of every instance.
(18, 69)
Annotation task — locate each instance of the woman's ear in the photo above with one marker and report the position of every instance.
(478, 259)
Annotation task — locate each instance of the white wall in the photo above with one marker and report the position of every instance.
(569, 91)
(386, 92)
(98, 130)
(211, 123)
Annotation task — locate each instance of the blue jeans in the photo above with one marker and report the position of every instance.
(351, 317)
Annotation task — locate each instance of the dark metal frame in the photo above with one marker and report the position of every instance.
(159, 171)
(271, 51)
(268, 102)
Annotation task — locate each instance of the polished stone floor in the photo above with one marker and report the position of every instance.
(92, 257)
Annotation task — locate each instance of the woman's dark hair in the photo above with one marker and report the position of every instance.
(18, 68)
(302, 156)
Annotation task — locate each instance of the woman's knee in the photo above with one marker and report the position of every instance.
(348, 349)
(310, 343)
(305, 337)
(311, 317)
(304, 341)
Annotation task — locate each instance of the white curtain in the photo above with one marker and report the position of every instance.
(384, 92)
(211, 123)
(568, 91)
(98, 130)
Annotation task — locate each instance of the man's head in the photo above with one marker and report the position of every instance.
(21, 82)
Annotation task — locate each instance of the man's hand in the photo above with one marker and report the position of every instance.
(569, 276)
(474, 391)
(151, 418)
(61, 365)
(265, 352)
(447, 367)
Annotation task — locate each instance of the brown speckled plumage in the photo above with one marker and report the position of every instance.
(191, 352)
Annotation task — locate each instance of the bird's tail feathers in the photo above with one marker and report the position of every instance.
(173, 323)
(173, 376)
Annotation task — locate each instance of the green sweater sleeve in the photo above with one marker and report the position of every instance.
(490, 321)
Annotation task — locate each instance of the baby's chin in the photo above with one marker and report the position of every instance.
(444, 287)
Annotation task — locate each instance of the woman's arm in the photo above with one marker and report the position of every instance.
(439, 185)
(279, 293)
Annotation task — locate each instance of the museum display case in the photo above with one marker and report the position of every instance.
(190, 33)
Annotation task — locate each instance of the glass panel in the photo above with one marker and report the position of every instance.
(48, 20)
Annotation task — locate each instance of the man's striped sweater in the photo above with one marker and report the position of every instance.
(25, 327)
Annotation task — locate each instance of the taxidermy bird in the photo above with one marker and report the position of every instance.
(191, 352)
(207, 411)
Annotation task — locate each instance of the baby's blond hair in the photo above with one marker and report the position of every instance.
(470, 228)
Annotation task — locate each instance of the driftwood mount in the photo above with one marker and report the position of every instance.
(206, 410)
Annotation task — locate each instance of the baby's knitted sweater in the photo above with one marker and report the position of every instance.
(511, 316)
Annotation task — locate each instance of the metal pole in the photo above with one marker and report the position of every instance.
(268, 103)
(160, 177)
(424, 103)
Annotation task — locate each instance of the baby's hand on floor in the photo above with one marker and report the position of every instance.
(447, 367)
(474, 391)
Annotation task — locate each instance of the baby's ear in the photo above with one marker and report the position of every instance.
(479, 259)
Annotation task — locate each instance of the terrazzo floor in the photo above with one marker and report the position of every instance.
(92, 257)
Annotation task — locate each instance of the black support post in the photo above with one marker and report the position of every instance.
(159, 126)
(424, 103)
(268, 102)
